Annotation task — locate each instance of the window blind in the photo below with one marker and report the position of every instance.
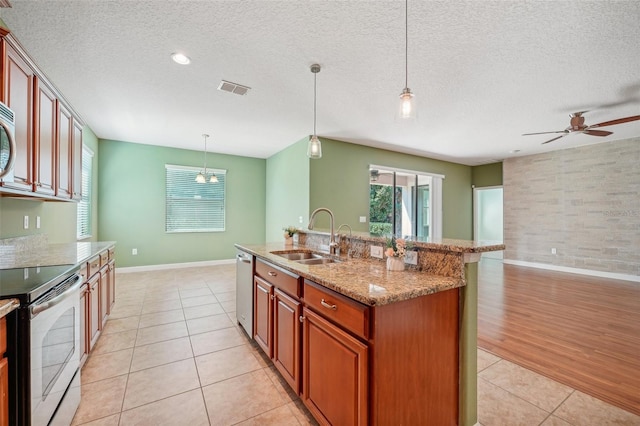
(192, 206)
(84, 206)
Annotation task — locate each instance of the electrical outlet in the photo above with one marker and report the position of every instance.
(411, 257)
(363, 219)
(26, 222)
(37, 222)
(300, 219)
(134, 252)
(376, 251)
(553, 250)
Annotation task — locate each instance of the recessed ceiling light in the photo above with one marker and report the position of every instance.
(180, 58)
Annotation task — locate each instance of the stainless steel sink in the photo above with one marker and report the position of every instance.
(306, 257)
(317, 261)
(301, 255)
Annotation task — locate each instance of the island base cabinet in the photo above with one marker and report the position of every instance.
(334, 373)
(263, 314)
(286, 338)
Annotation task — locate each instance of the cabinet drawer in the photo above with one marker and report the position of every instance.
(112, 253)
(285, 281)
(93, 266)
(104, 258)
(340, 309)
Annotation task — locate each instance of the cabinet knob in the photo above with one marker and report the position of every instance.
(301, 318)
(272, 297)
(328, 306)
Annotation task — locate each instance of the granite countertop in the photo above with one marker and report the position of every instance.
(8, 305)
(16, 256)
(364, 280)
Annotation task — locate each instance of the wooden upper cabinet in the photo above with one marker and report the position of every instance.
(45, 139)
(18, 79)
(65, 152)
(76, 161)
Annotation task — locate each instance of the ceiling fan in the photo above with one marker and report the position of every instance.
(577, 126)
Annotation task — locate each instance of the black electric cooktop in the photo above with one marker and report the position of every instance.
(27, 284)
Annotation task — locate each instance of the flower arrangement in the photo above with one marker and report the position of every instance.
(396, 247)
(290, 231)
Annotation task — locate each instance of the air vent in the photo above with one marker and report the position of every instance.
(238, 89)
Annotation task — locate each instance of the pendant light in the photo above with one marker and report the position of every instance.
(407, 101)
(314, 150)
(202, 176)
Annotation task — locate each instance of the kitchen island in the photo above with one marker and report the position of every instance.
(375, 346)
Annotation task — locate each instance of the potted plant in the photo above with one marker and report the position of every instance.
(396, 249)
(289, 232)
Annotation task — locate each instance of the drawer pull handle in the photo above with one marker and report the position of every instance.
(273, 274)
(328, 306)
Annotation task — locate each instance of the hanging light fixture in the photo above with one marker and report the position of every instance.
(314, 150)
(407, 101)
(202, 176)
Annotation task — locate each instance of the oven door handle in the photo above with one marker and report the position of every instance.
(38, 308)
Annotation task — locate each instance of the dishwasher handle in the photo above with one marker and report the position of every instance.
(50, 303)
(243, 258)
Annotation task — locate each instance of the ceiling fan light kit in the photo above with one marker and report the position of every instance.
(576, 125)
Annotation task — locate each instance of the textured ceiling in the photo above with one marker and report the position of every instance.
(483, 72)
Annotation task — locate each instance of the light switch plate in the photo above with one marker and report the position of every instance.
(376, 251)
(37, 222)
(134, 251)
(26, 222)
(411, 257)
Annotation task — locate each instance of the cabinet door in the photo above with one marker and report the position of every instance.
(334, 378)
(112, 285)
(18, 95)
(104, 295)
(76, 161)
(4, 392)
(263, 314)
(65, 152)
(286, 337)
(94, 310)
(84, 329)
(44, 139)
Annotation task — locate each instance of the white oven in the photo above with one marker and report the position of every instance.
(7, 143)
(55, 353)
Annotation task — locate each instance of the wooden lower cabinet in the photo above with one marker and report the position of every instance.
(104, 296)
(85, 313)
(334, 373)
(95, 322)
(112, 286)
(263, 315)
(286, 337)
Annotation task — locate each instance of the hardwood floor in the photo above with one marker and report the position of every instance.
(578, 330)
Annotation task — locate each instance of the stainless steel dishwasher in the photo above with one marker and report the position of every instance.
(244, 291)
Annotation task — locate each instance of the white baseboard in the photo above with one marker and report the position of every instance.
(601, 274)
(174, 266)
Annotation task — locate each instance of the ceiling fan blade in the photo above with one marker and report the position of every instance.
(597, 132)
(544, 133)
(557, 137)
(618, 121)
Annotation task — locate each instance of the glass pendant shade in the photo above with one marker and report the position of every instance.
(213, 178)
(407, 104)
(314, 149)
(200, 178)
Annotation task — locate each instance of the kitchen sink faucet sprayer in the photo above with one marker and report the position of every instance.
(333, 246)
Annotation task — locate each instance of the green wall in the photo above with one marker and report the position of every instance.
(132, 204)
(58, 219)
(340, 182)
(487, 175)
(287, 196)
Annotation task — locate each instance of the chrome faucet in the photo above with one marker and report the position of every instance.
(333, 246)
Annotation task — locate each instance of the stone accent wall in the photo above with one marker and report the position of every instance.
(585, 202)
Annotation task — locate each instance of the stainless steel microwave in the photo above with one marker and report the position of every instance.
(7, 143)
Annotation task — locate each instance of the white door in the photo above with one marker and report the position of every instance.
(487, 217)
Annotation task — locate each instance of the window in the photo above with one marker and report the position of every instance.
(84, 206)
(192, 206)
(403, 202)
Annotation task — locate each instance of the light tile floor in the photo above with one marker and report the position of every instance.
(172, 354)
